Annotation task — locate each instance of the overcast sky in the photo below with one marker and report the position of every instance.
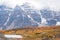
(55, 4)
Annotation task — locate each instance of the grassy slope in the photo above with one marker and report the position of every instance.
(36, 33)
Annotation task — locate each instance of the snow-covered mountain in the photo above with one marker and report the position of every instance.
(26, 15)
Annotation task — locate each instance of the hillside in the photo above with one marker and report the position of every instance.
(33, 33)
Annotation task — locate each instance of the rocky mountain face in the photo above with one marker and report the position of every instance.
(25, 15)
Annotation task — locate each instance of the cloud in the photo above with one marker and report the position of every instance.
(55, 4)
(36, 3)
(12, 3)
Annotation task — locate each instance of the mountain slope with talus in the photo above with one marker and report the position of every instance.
(25, 15)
